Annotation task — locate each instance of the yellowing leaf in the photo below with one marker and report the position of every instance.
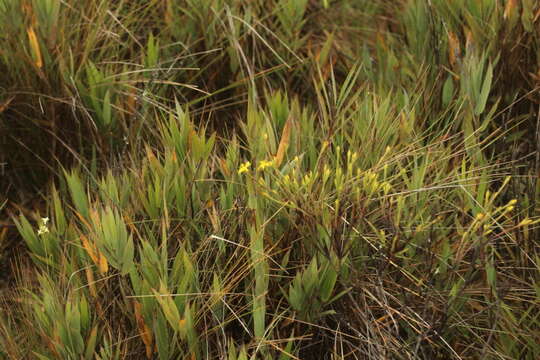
(284, 143)
(103, 265)
(91, 284)
(454, 49)
(469, 40)
(90, 249)
(168, 307)
(34, 46)
(224, 168)
(144, 331)
(510, 9)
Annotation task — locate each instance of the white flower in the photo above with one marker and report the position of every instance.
(42, 230)
(45, 220)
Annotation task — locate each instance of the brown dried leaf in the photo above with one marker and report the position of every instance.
(91, 282)
(90, 249)
(454, 48)
(5, 104)
(144, 331)
(510, 9)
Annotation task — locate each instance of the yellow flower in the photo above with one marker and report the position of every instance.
(264, 164)
(286, 179)
(386, 187)
(244, 168)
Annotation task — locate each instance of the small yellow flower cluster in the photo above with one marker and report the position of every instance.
(308, 179)
(339, 179)
(372, 184)
(526, 222)
(264, 164)
(43, 229)
(489, 219)
(351, 159)
(510, 206)
(299, 182)
(244, 168)
(326, 173)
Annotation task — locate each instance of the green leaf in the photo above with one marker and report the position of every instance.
(491, 274)
(295, 295)
(91, 344)
(328, 282)
(152, 52)
(259, 314)
(78, 194)
(163, 341)
(106, 117)
(486, 87)
(243, 354)
(127, 259)
(41, 357)
(168, 307)
(191, 333)
(448, 91)
(288, 350)
(527, 15)
(28, 234)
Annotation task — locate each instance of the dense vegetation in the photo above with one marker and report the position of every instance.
(279, 179)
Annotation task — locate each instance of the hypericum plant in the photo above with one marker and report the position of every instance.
(67, 327)
(45, 246)
(111, 238)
